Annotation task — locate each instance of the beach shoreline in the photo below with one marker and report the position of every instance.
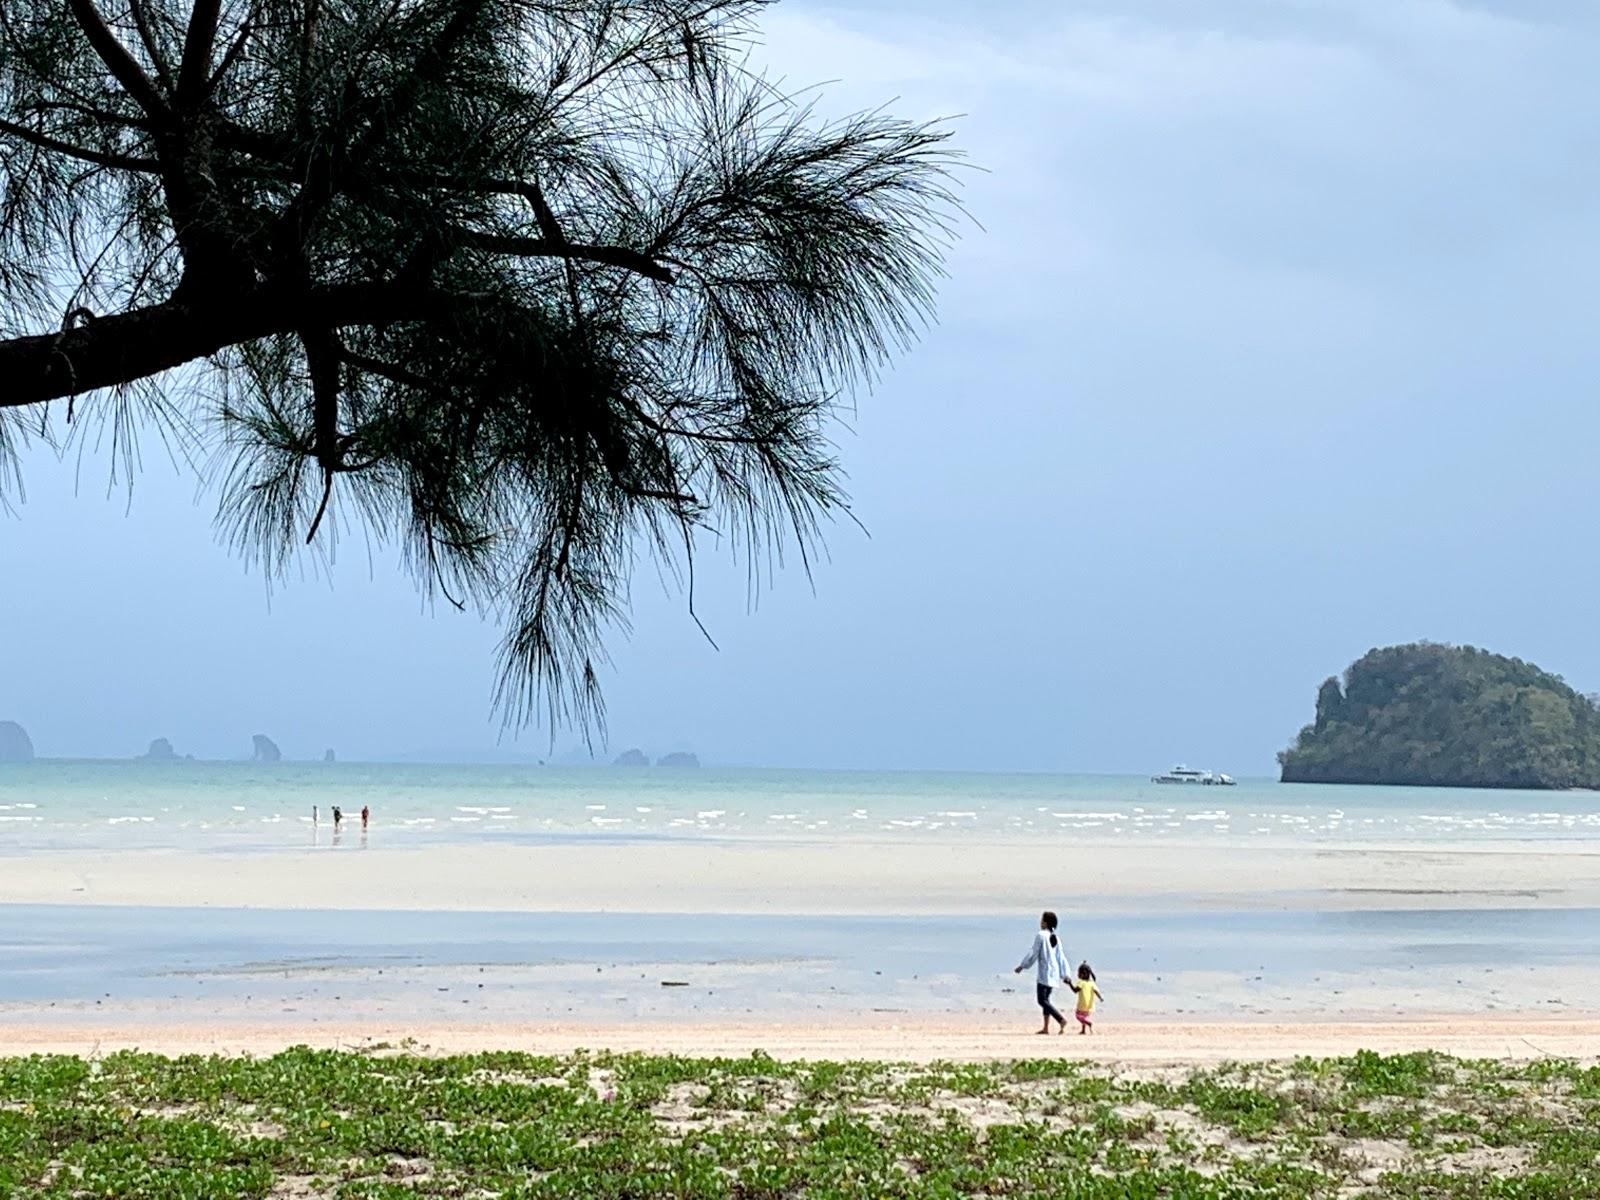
(1511, 1038)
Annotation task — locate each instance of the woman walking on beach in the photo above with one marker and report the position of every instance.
(1051, 968)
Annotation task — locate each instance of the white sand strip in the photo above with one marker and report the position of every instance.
(816, 878)
(910, 1041)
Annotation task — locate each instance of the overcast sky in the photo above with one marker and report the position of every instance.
(1277, 342)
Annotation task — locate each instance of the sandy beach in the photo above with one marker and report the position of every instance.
(1511, 1038)
(237, 926)
(849, 876)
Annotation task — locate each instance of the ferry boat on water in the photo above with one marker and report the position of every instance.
(1183, 774)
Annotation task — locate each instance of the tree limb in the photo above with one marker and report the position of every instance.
(124, 347)
(99, 115)
(384, 370)
(526, 247)
(322, 507)
(231, 55)
(322, 358)
(308, 44)
(118, 61)
(152, 45)
(44, 141)
(198, 43)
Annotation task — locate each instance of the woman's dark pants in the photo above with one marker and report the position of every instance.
(1043, 991)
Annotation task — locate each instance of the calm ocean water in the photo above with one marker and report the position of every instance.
(232, 806)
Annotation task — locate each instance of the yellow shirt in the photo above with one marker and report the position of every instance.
(1086, 994)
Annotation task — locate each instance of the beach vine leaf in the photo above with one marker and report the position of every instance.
(529, 288)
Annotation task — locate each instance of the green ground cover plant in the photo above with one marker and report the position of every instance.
(388, 1124)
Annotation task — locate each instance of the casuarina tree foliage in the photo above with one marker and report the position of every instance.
(525, 286)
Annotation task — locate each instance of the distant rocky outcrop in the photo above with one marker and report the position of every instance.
(631, 758)
(328, 756)
(679, 759)
(15, 744)
(1448, 716)
(265, 750)
(160, 751)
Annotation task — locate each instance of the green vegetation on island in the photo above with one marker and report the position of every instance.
(385, 1125)
(1448, 716)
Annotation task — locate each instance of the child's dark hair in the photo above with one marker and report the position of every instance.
(1050, 923)
(1085, 971)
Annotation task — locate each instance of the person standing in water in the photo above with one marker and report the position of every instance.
(365, 812)
(1050, 965)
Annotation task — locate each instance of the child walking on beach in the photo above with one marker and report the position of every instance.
(1051, 968)
(1088, 992)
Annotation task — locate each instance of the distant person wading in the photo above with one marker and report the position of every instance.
(1050, 965)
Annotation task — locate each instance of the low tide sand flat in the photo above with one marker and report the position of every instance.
(933, 875)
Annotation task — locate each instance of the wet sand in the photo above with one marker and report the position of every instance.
(315, 969)
(1477, 949)
(847, 876)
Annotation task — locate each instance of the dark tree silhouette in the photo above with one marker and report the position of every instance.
(526, 286)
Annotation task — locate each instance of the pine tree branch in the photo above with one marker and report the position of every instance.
(101, 158)
(98, 115)
(118, 61)
(231, 55)
(526, 247)
(124, 347)
(152, 44)
(198, 44)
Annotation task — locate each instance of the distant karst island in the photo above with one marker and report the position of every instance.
(1448, 716)
(161, 751)
(15, 744)
(638, 758)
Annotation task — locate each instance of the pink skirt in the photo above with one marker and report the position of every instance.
(1085, 1018)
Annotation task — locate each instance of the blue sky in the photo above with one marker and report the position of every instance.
(1273, 341)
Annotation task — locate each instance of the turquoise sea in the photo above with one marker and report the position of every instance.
(241, 806)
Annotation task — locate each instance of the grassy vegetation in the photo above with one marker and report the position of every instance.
(385, 1125)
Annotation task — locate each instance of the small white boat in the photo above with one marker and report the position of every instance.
(1183, 774)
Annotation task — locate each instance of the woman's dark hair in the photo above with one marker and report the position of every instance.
(1085, 971)
(1050, 923)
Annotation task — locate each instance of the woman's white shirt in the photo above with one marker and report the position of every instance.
(1050, 961)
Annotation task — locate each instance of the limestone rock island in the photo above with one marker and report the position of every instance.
(1448, 716)
(679, 759)
(15, 744)
(265, 750)
(160, 751)
(631, 758)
